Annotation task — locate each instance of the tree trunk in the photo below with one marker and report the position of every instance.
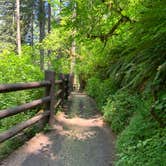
(18, 38)
(32, 26)
(32, 37)
(49, 18)
(72, 64)
(49, 30)
(42, 30)
(73, 53)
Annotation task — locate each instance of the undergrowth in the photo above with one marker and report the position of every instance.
(12, 144)
(141, 140)
(16, 69)
(119, 109)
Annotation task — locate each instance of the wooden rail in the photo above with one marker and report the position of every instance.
(51, 101)
(23, 86)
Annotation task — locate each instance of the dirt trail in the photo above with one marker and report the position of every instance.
(79, 138)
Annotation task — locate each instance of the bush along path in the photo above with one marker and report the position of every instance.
(79, 138)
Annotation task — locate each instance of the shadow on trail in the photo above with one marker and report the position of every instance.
(81, 105)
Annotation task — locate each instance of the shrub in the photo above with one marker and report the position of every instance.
(119, 109)
(142, 142)
(15, 69)
(100, 89)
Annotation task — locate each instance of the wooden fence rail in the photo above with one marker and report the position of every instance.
(51, 101)
(23, 86)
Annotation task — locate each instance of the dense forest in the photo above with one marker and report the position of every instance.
(116, 51)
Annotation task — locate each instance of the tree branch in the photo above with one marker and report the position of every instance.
(118, 9)
(123, 19)
(104, 37)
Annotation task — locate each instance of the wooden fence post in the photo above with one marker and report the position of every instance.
(61, 86)
(50, 76)
(66, 89)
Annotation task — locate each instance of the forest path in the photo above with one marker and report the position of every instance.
(79, 138)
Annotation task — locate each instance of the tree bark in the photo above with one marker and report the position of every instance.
(42, 30)
(49, 18)
(18, 38)
(49, 30)
(73, 53)
(32, 26)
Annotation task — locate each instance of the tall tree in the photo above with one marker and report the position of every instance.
(28, 17)
(73, 51)
(18, 40)
(42, 21)
(49, 30)
(49, 17)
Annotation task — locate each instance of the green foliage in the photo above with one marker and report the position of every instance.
(159, 109)
(9, 146)
(61, 65)
(142, 142)
(129, 65)
(58, 43)
(12, 144)
(99, 89)
(57, 39)
(119, 109)
(16, 69)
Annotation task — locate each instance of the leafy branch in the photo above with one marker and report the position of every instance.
(104, 37)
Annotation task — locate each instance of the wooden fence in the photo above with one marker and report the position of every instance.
(51, 101)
